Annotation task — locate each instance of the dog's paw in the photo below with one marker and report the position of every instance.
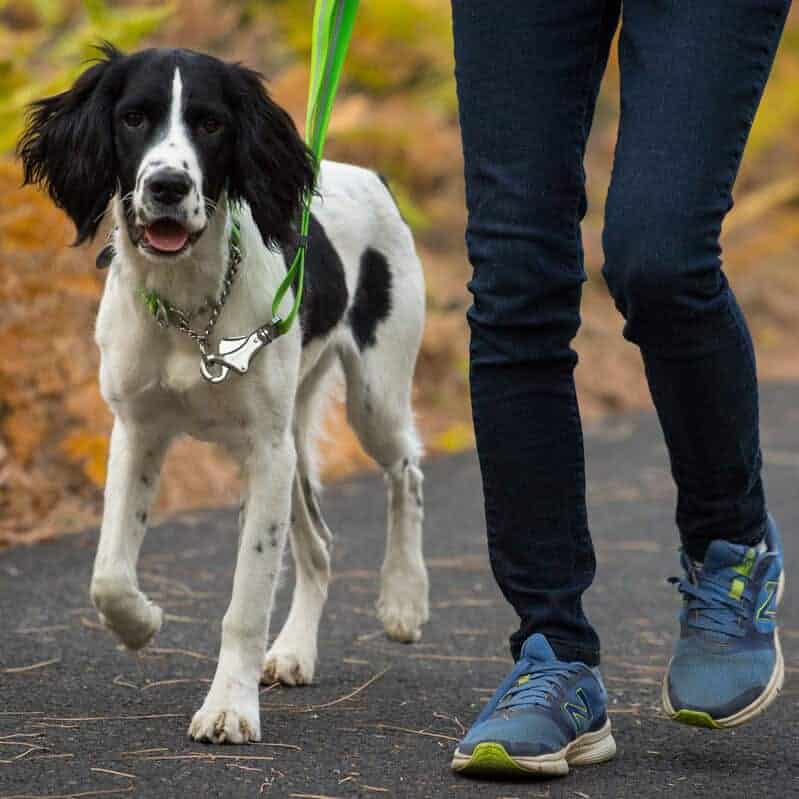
(226, 725)
(289, 668)
(403, 607)
(127, 612)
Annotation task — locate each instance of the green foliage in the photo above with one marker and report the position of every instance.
(779, 110)
(397, 44)
(44, 56)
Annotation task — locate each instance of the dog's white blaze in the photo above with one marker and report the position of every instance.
(175, 151)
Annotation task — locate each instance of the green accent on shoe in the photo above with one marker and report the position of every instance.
(490, 757)
(696, 718)
(746, 565)
(737, 588)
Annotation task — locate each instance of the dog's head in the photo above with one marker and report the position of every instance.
(171, 131)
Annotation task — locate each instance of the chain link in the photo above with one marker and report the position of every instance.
(177, 319)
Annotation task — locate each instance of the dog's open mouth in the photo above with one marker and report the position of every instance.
(166, 236)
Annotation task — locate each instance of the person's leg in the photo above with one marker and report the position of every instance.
(527, 73)
(692, 77)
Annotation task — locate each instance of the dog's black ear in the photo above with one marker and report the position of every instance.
(67, 146)
(272, 168)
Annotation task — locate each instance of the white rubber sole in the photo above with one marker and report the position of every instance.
(770, 692)
(491, 759)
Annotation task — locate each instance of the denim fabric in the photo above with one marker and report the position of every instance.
(528, 73)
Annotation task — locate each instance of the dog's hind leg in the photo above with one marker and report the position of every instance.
(133, 468)
(379, 410)
(292, 657)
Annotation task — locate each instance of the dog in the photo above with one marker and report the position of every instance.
(184, 149)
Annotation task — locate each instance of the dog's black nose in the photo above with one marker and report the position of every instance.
(168, 186)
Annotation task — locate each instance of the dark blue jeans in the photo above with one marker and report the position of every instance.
(528, 73)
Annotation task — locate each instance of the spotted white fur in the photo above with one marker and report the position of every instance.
(267, 420)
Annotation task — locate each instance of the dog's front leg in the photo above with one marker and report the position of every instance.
(134, 465)
(230, 713)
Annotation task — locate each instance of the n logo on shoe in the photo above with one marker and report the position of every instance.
(580, 714)
(767, 609)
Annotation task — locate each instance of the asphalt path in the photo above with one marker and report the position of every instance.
(80, 717)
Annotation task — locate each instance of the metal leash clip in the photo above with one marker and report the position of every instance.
(236, 353)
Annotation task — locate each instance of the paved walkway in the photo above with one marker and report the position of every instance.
(382, 719)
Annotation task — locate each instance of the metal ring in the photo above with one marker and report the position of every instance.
(209, 375)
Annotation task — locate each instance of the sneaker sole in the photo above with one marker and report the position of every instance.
(699, 718)
(490, 759)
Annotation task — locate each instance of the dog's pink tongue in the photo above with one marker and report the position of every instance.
(166, 235)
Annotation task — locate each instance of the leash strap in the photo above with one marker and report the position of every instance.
(332, 31)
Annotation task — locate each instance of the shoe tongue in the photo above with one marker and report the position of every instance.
(722, 555)
(537, 649)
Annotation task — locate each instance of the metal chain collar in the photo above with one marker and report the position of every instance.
(234, 353)
(169, 315)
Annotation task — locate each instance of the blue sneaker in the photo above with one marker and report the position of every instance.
(728, 664)
(545, 716)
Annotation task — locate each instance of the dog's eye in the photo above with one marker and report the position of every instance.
(133, 119)
(211, 125)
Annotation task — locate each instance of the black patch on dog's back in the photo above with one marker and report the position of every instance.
(372, 298)
(325, 292)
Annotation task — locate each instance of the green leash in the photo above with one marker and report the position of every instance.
(332, 30)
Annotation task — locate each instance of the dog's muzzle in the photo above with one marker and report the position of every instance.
(164, 228)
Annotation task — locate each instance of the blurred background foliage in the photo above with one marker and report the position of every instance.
(396, 113)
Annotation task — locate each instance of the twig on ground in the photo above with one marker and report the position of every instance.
(116, 718)
(183, 619)
(352, 694)
(207, 756)
(452, 719)
(21, 735)
(369, 636)
(409, 731)
(135, 752)
(461, 658)
(34, 630)
(465, 602)
(282, 746)
(56, 726)
(104, 792)
(21, 712)
(306, 796)
(115, 773)
(176, 681)
(118, 680)
(64, 756)
(33, 666)
(243, 768)
(189, 653)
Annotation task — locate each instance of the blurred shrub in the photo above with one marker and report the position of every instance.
(44, 45)
(398, 44)
(779, 110)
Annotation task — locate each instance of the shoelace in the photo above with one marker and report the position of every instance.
(538, 689)
(709, 605)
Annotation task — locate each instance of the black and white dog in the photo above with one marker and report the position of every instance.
(178, 143)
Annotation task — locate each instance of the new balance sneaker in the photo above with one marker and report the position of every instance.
(728, 666)
(545, 716)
